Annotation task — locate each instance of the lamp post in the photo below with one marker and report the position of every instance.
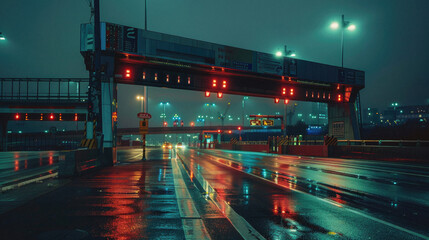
(209, 105)
(243, 115)
(163, 114)
(141, 99)
(343, 25)
(287, 53)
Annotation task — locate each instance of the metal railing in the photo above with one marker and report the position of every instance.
(66, 89)
(410, 143)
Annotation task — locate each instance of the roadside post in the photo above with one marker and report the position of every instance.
(143, 129)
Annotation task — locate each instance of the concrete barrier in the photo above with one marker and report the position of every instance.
(77, 162)
(244, 147)
(380, 152)
(359, 152)
(306, 150)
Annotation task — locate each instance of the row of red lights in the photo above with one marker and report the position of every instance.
(277, 100)
(51, 116)
(214, 83)
(167, 79)
(219, 94)
(291, 91)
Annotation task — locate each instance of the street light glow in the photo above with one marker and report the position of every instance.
(279, 54)
(2, 38)
(351, 27)
(293, 55)
(335, 25)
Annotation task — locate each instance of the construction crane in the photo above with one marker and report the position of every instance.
(223, 115)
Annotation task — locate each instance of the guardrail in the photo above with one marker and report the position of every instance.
(416, 143)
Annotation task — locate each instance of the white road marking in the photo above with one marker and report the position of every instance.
(193, 225)
(240, 224)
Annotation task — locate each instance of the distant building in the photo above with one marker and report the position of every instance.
(371, 116)
(395, 115)
(405, 113)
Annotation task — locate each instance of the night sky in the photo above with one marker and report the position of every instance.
(389, 44)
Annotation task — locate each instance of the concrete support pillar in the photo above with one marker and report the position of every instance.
(343, 121)
(109, 123)
(3, 135)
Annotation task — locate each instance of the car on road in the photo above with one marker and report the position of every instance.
(180, 145)
(167, 145)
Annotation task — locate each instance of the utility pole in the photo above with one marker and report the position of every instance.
(94, 91)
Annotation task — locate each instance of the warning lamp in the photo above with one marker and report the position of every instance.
(207, 94)
(127, 73)
(17, 116)
(284, 91)
(75, 117)
(51, 116)
(239, 128)
(291, 92)
(219, 95)
(224, 84)
(286, 101)
(276, 100)
(214, 83)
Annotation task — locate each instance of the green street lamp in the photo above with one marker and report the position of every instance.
(163, 114)
(343, 25)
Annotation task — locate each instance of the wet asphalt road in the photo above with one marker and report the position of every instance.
(311, 198)
(133, 200)
(279, 197)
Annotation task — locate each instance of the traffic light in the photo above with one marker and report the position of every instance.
(291, 91)
(17, 117)
(286, 101)
(339, 98)
(276, 100)
(219, 95)
(218, 130)
(51, 116)
(239, 128)
(192, 124)
(207, 94)
(214, 84)
(75, 117)
(284, 91)
(223, 84)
